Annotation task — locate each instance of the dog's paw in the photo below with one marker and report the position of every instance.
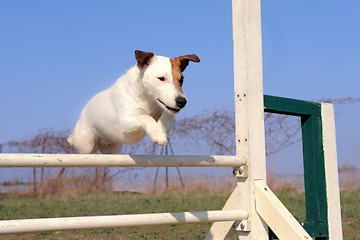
(162, 141)
(158, 136)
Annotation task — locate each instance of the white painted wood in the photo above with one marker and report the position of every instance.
(276, 216)
(249, 115)
(109, 160)
(331, 172)
(249, 108)
(116, 221)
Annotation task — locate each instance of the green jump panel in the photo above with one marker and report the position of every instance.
(313, 159)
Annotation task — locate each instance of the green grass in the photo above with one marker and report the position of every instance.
(350, 212)
(17, 207)
(92, 204)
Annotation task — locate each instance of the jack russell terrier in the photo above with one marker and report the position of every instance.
(143, 101)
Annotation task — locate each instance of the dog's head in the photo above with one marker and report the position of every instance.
(162, 78)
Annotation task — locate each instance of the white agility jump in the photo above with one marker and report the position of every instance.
(113, 160)
(252, 207)
(116, 221)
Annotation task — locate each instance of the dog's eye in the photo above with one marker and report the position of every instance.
(181, 80)
(161, 78)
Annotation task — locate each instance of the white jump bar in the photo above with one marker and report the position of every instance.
(111, 160)
(117, 221)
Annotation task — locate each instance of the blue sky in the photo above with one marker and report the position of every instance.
(55, 55)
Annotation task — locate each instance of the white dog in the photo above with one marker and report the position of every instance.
(143, 101)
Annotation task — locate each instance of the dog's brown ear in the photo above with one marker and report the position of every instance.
(184, 60)
(143, 58)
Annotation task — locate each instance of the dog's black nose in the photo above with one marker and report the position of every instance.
(180, 102)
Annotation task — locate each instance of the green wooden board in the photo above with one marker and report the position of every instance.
(313, 159)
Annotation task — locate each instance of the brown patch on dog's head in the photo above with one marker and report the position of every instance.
(143, 58)
(176, 73)
(178, 65)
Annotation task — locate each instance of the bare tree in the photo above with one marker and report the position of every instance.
(281, 131)
(346, 100)
(216, 130)
(51, 141)
(46, 141)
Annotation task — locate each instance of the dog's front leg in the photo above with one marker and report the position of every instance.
(156, 131)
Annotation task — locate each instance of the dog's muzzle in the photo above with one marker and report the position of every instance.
(180, 102)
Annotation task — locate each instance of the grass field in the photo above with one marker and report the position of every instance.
(20, 206)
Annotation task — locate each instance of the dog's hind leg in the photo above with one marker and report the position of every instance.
(112, 148)
(84, 140)
(86, 144)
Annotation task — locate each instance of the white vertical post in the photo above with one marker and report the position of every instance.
(249, 117)
(331, 172)
(249, 108)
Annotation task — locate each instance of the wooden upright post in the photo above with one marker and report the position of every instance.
(249, 109)
(331, 172)
(249, 117)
